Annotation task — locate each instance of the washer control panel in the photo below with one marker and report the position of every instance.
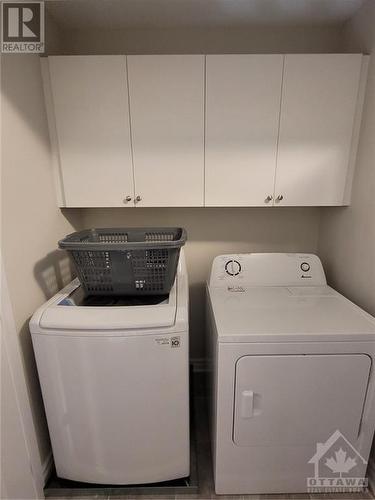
(267, 269)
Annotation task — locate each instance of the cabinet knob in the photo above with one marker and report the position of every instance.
(279, 198)
(137, 199)
(268, 199)
(127, 199)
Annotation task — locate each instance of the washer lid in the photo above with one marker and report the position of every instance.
(274, 314)
(62, 314)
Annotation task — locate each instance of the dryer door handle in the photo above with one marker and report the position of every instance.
(247, 404)
(250, 404)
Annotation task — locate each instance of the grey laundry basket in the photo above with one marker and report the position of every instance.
(126, 261)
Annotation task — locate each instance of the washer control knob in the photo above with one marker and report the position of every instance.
(305, 266)
(233, 267)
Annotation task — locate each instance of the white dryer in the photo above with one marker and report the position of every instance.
(114, 375)
(292, 373)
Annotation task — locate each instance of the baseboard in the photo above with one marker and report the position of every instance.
(199, 364)
(371, 474)
(47, 467)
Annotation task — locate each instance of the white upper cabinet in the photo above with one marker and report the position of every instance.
(242, 118)
(167, 125)
(89, 124)
(317, 133)
(195, 130)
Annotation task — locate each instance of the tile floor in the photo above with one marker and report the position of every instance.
(206, 486)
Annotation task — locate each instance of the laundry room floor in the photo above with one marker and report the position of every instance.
(204, 465)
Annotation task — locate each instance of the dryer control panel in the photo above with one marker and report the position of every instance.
(267, 269)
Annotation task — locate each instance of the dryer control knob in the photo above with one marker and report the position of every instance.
(232, 267)
(305, 266)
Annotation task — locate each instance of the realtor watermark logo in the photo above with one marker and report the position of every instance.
(338, 467)
(22, 27)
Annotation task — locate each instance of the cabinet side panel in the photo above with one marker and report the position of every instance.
(356, 129)
(56, 165)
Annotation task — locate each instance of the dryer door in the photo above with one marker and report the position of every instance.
(297, 400)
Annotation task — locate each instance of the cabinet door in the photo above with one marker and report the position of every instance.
(167, 115)
(319, 101)
(90, 101)
(242, 118)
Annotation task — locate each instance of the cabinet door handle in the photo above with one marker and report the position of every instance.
(127, 199)
(279, 198)
(268, 199)
(137, 199)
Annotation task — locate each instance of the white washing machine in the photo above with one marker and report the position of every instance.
(115, 382)
(292, 375)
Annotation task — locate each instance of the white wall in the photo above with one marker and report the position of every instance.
(19, 448)
(214, 231)
(15, 457)
(31, 221)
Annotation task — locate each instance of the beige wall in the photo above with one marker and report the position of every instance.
(31, 221)
(203, 40)
(53, 34)
(347, 235)
(214, 231)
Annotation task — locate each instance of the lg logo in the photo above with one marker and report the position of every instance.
(22, 27)
(175, 342)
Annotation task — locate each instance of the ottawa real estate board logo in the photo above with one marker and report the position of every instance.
(22, 27)
(338, 467)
